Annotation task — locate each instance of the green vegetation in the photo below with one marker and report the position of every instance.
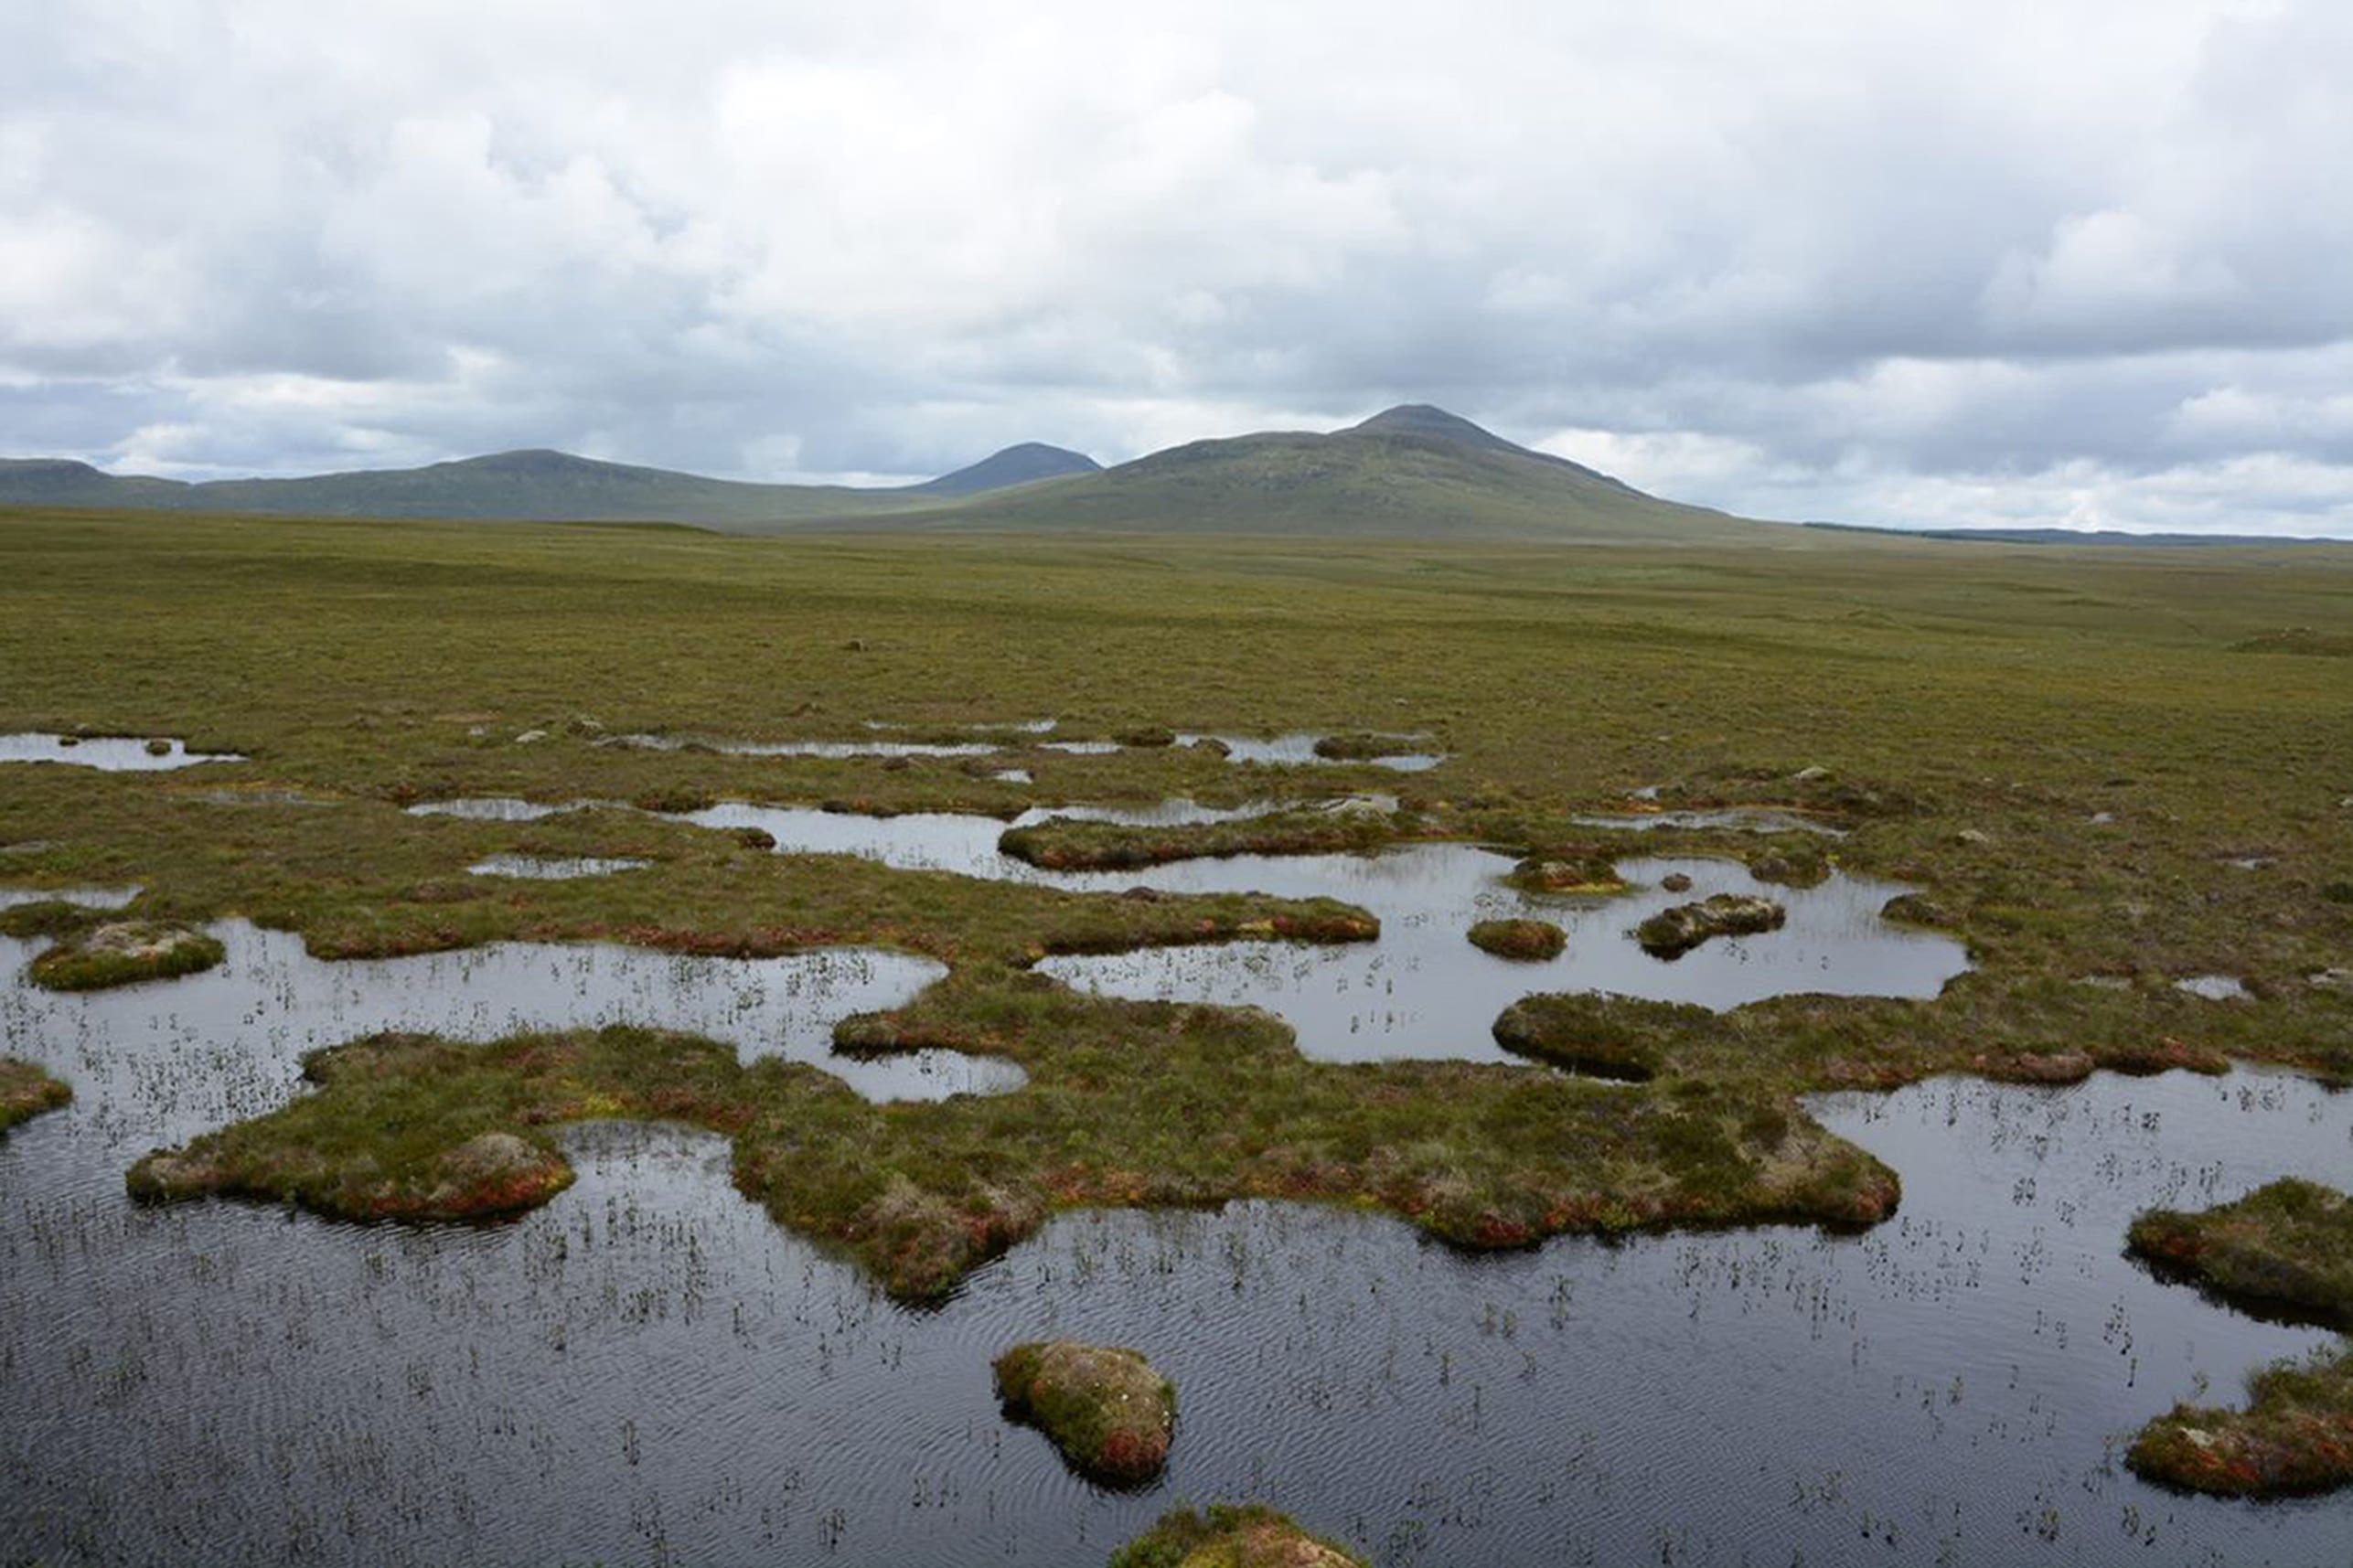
(1064, 843)
(1527, 939)
(2118, 760)
(2285, 1248)
(1104, 1407)
(1248, 1535)
(1115, 1113)
(120, 952)
(26, 1091)
(1675, 931)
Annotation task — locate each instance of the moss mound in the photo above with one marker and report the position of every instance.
(1248, 1535)
(46, 917)
(26, 1091)
(1568, 868)
(1104, 1407)
(2295, 1438)
(1359, 745)
(1064, 843)
(1606, 1036)
(120, 952)
(2285, 1247)
(1672, 933)
(1529, 941)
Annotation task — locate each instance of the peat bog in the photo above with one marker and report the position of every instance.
(1145, 1028)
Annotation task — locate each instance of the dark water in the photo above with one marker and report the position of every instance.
(109, 754)
(649, 1372)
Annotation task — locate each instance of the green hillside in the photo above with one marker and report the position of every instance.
(1413, 472)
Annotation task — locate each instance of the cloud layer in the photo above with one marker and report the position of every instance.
(2056, 262)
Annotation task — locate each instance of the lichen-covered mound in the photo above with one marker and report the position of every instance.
(1104, 1407)
(122, 951)
(1530, 941)
(2285, 1247)
(26, 1091)
(1672, 933)
(1249, 1535)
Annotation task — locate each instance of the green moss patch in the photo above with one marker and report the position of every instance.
(1529, 941)
(1568, 868)
(1359, 746)
(47, 917)
(1104, 1406)
(1247, 1535)
(26, 1091)
(120, 952)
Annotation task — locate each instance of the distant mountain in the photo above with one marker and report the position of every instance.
(1024, 465)
(1412, 472)
(552, 486)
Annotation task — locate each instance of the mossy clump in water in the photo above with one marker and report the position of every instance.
(1529, 941)
(1605, 1036)
(1568, 868)
(1248, 1535)
(120, 952)
(1794, 861)
(1149, 737)
(159, 748)
(26, 1091)
(1064, 844)
(1104, 1407)
(1672, 933)
(2287, 1247)
(1917, 909)
(1358, 746)
(2295, 1438)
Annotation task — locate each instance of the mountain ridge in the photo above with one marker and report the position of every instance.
(1412, 471)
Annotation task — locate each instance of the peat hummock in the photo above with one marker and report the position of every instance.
(1247, 1535)
(122, 951)
(1672, 933)
(1104, 1406)
(26, 1091)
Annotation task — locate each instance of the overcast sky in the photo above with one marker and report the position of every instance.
(2044, 263)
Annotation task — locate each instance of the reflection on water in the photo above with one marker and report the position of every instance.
(243, 1027)
(1421, 990)
(108, 753)
(556, 869)
(648, 1371)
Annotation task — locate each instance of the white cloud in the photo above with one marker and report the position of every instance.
(1764, 252)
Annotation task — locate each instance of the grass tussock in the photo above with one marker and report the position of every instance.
(26, 1091)
(1104, 1407)
(1246, 1535)
(2294, 1438)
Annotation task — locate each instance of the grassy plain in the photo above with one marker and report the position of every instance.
(2108, 770)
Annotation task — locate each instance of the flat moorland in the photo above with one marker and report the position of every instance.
(2107, 771)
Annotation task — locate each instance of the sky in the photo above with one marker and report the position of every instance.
(1892, 261)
